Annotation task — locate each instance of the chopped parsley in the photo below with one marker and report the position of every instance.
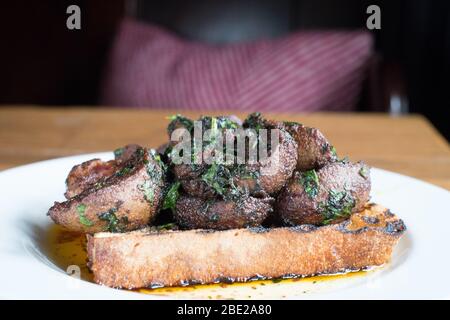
(211, 178)
(333, 151)
(118, 152)
(338, 205)
(99, 184)
(215, 123)
(114, 224)
(81, 208)
(364, 172)
(157, 157)
(310, 182)
(156, 170)
(148, 188)
(255, 121)
(171, 197)
(125, 170)
(226, 123)
(177, 121)
(222, 179)
(140, 152)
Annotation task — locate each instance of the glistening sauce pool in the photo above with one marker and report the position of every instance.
(65, 248)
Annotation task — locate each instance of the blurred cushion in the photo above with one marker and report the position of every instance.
(306, 71)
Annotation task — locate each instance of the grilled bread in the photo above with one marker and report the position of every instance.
(148, 258)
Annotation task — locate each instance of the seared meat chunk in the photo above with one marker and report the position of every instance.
(88, 173)
(328, 195)
(314, 150)
(125, 200)
(191, 180)
(197, 213)
(270, 176)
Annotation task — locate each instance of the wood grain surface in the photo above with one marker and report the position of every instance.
(409, 144)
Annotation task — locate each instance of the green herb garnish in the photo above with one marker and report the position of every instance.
(114, 224)
(81, 208)
(221, 179)
(157, 157)
(333, 151)
(338, 205)
(211, 178)
(156, 169)
(179, 121)
(148, 188)
(310, 182)
(125, 170)
(118, 152)
(255, 121)
(99, 184)
(139, 152)
(364, 172)
(171, 197)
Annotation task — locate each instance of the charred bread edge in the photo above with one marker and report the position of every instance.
(394, 227)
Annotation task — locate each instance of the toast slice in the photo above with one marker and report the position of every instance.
(151, 259)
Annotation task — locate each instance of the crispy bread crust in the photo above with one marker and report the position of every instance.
(150, 259)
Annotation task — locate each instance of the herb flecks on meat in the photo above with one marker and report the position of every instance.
(81, 208)
(113, 223)
(310, 182)
(338, 205)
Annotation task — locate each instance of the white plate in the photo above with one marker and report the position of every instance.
(418, 268)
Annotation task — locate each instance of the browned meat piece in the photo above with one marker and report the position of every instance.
(327, 196)
(196, 213)
(143, 259)
(126, 200)
(271, 177)
(88, 173)
(190, 178)
(84, 175)
(124, 154)
(314, 150)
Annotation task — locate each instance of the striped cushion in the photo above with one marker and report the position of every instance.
(305, 71)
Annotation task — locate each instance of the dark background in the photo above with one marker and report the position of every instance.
(42, 62)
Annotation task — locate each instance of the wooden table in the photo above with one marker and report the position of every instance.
(408, 145)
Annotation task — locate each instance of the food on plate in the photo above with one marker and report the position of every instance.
(208, 206)
(327, 195)
(88, 173)
(197, 213)
(125, 197)
(266, 176)
(314, 150)
(146, 258)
